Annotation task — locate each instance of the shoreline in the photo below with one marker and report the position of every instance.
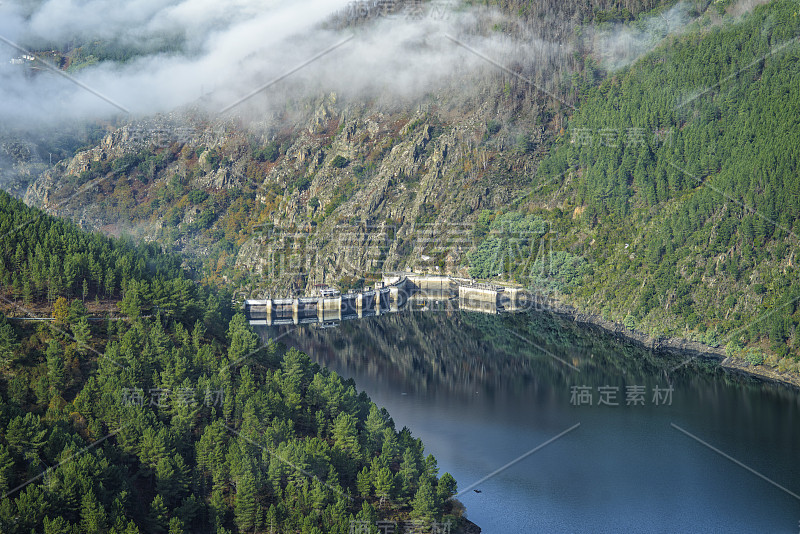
(674, 345)
(469, 527)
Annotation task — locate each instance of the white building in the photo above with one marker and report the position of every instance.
(22, 59)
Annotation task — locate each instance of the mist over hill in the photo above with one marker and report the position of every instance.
(392, 136)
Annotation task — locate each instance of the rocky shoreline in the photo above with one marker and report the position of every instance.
(674, 345)
(470, 527)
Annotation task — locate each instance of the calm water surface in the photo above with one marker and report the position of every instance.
(481, 391)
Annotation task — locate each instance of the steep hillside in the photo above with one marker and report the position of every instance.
(334, 192)
(338, 189)
(479, 134)
(666, 199)
(180, 420)
(680, 182)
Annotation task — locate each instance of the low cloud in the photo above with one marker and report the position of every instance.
(207, 54)
(222, 51)
(618, 45)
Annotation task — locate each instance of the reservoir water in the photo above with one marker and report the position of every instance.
(645, 442)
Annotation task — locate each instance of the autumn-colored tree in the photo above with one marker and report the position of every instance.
(61, 312)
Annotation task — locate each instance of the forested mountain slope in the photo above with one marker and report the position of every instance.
(681, 179)
(659, 192)
(334, 189)
(45, 258)
(178, 420)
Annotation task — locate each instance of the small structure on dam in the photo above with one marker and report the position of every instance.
(397, 291)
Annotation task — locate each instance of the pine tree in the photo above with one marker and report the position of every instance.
(368, 515)
(93, 516)
(344, 433)
(6, 469)
(218, 509)
(27, 292)
(390, 447)
(409, 473)
(424, 506)
(246, 509)
(271, 519)
(131, 528)
(431, 468)
(319, 494)
(55, 367)
(384, 483)
(374, 425)
(165, 481)
(26, 435)
(175, 526)
(364, 482)
(446, 488)
(189, 509)
(59, 525)
(183, 475)
(109, 282)
(9, 345)
(157, 519)
(153, 447)
(197, 335)
(131, 304)
(81, 333)
(242, 339)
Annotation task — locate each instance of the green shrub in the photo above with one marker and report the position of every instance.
(754, 357)
(206, 218)
(732, 349)
(302, 183)
(508, 245)
(333, 204)
(174, 217)
(214, 158)
(197, 196)
(125, 163)
(524, 144)
(629, 322)
(483, 223)
(340, 162)
(271, 152)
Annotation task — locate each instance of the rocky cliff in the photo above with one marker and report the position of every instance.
(328, 192)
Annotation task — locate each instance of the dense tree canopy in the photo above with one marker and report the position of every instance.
(681, 172)
(165, 419)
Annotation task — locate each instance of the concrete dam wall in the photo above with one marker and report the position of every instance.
(397, 291)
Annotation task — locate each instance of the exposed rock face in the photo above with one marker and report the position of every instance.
(351, 190)
(19, 164)
(414, 198)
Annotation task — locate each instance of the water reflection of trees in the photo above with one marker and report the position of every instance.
(462, 351)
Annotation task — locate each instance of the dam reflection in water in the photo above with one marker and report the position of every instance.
(482, 390)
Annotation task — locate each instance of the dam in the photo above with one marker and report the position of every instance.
(397, 291)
